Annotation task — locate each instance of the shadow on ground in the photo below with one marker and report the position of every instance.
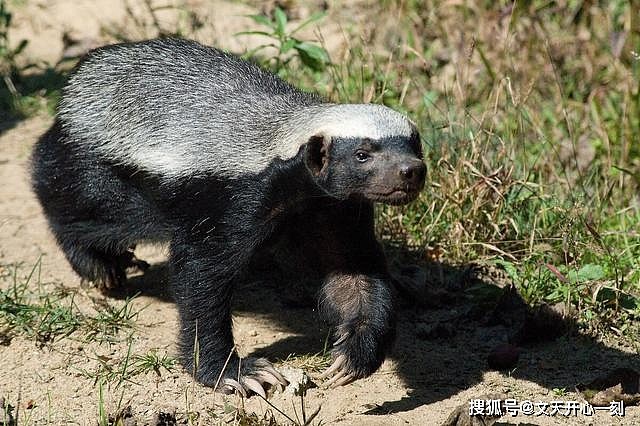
(24, 92)
(446, 333)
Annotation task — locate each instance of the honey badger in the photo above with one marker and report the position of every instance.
(170, 140)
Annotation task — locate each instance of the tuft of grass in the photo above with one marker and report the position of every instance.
(309, 362)
(46, 313)
(153, 361)
(122, 414)
(119, 370)
(110, 319)
(42, 316)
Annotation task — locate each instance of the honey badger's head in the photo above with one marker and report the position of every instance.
(367, 152)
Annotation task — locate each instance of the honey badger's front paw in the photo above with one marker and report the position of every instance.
(255, 373)
(357, 354)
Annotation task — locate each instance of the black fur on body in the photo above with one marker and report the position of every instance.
(168, 140)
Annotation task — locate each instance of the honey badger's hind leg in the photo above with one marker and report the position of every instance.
(105, 266)
(96, 215)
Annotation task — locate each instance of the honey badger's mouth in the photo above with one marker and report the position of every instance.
(395, 196)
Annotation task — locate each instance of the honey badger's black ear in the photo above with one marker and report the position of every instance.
(317, 154)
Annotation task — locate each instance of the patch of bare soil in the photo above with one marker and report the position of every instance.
(440, 362)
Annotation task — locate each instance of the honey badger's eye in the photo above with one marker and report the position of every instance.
(362, 156)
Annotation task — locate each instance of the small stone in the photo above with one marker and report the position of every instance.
(299, 381)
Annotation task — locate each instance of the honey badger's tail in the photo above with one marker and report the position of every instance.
(96, 216)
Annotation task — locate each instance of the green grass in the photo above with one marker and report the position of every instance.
(119, 370)
(46, 312)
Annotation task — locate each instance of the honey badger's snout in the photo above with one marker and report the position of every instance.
(402, 179)
(408, 180)
(412, 173)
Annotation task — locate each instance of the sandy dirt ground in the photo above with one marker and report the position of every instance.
(426, 378)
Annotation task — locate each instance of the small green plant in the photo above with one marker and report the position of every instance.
(110, 319)
(559, 391)
(111, 370)
(311, 55)
(119, 370)
(120, 417)
(153, 361)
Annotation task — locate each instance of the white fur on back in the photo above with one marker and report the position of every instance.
(176, 109)
(178, 151)
(252, 156)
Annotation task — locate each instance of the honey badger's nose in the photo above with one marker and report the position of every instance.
(412, 172)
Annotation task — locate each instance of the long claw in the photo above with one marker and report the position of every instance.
(234, 384)
(342, 338)
(255, 386)
(339, 375)
(345, 380)
(337, 364)
(259, 374)
(268, 377)
(269, 369)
